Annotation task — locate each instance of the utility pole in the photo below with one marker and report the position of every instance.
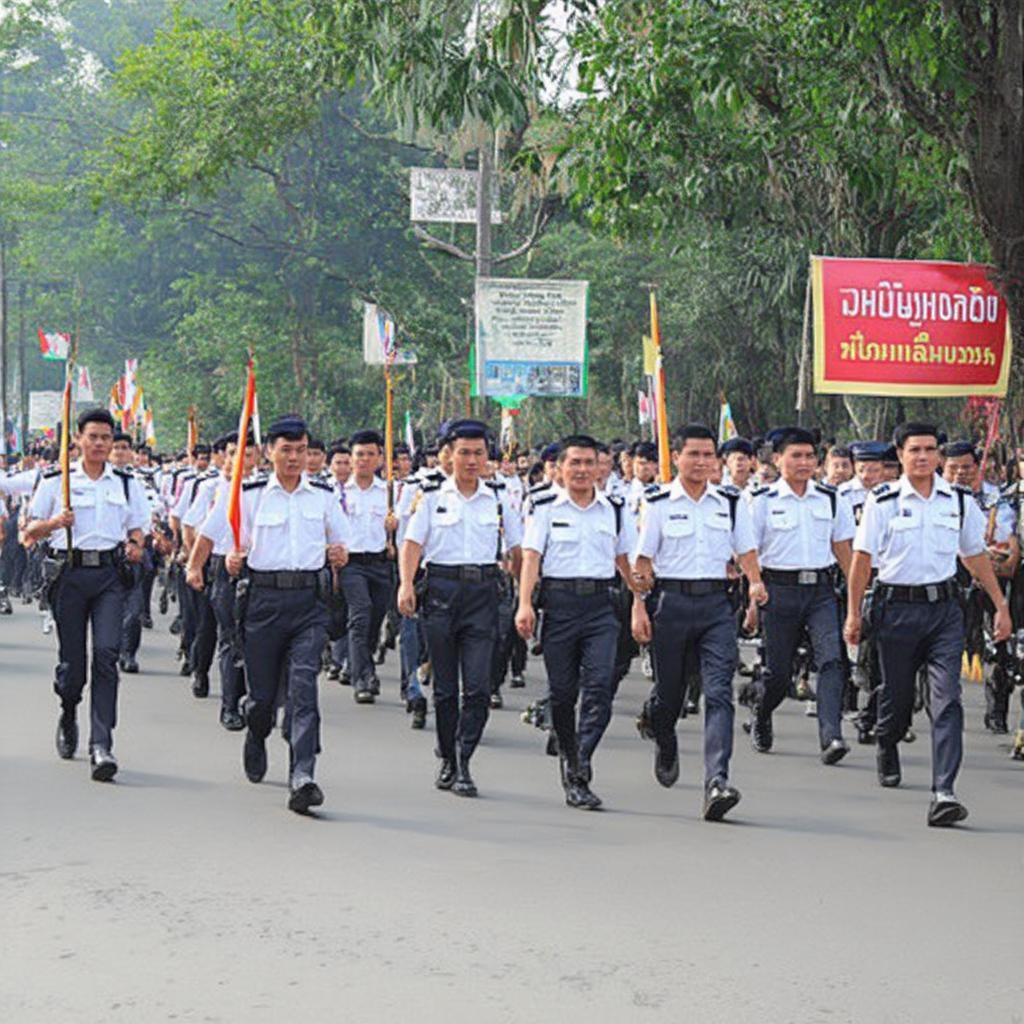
(485, 174)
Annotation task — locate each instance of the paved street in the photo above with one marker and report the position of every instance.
(182, 892)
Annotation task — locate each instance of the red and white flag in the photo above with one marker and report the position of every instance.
(85, 392)
(54, 344)
(235, 494)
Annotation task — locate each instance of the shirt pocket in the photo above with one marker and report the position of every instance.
(269, 518)
(783, 519)
(564, 533)
(83, 499)
(718, 535)
(904, 533)
(677, 527)
(947, 534)
(822, 523)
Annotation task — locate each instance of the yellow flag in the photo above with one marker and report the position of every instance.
(650, 357)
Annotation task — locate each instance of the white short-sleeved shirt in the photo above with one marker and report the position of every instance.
(579, 542)
(281, 530)
(19, 485)
(205, 496)
(106, 509)
(454, 530)
(366, 509)
(798, 532)
(856, 494)
(914, 540)
(693, 540)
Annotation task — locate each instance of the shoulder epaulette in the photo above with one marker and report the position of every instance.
(962, 489)
(618, 501)
(253, 484)
(321, 486)
(50, 473)
(539, 488)
(758, 491)
(879, 489)
(885, 495)
(495, 485)
(652, 487)
(411, 479)
(729, 489)
(545, 499)
(827, 488)
(123, 473)
(648, 497)
(431, 485)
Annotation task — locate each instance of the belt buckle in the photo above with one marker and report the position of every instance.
(931, 592)
(90, 559)
(807, 577)
(472, 574)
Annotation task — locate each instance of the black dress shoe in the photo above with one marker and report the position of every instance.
(103, 765)
(888, 761)
(761, 734)
(464, 784)
(147, 621)
(67, 734)
(304, 796)
(719, 799)
(945, 810)
(446, 773)
(186, 668)
(551, 748)
(231, 720)
(130, 665)
(496, 702)
(254, 758)
(692, 707)
(996, 723)
(333, 672)
(834, 752)
(419, 712)
(578, 794)
(517, 682)
(375, 686)
(175, 627)
(865, 735)
(364, 696)
(666, 764)
(344, 679)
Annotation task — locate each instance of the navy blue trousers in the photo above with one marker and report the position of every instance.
(90, 599)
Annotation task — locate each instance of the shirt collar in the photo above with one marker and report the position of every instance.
(677, 491)
(562, 498)
(785, 491)
(377, 482)
(451, 487)
(107, 474)
(907, 489)
(274, 483)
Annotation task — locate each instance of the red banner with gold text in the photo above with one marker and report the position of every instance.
(908, 327)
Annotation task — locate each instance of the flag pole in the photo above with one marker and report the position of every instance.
(664, 453)
(65, 431)
(389, 435)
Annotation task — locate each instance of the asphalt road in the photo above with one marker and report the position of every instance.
(181, 892)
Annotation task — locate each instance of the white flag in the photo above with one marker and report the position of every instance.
(85, 385)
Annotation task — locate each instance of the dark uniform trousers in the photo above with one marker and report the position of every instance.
(910, 636)
(683, 625)
(580, 636)
(285, 632)
(506, 632)
(222, 602)
(204, 641)
(367, 586)
(460, 624)
(789, 610)
(90, 596)
(131, 627)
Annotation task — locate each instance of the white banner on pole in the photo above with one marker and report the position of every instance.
(379, 337)
(447, 195)
(45, 409)
(531, 336)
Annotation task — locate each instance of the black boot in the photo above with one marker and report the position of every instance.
(888, 759)
(577, 790)
(464, 784)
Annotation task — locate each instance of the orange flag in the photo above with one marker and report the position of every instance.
(235, 494)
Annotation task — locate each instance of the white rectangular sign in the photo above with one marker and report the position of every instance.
(531, 336)
(447, 195)
(45, 409)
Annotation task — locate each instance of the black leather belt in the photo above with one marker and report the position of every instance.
(694, 588)
(581, 586)
(463, 573)
(926, 593)
(356, 557)
(88, 559)
(300, 579)
(798, 577)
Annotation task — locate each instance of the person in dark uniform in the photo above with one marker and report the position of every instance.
(367, 579)
(222, 586)
(290, 527)
(577, 540)
(913, 531)
(457, 529)
(689, 532)
(131, 627)
(107, 518)
(802, 527)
